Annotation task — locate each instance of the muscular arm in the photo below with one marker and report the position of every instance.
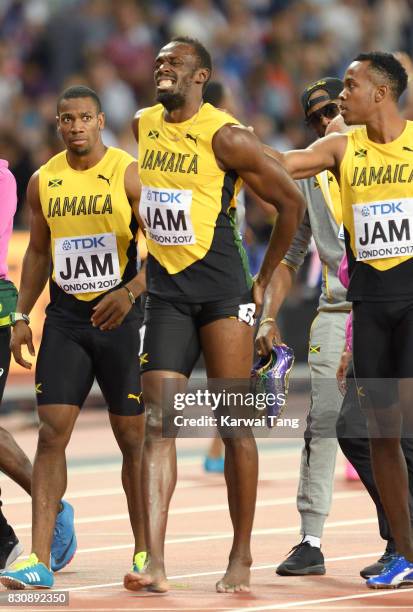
(238, 149)
(323, 154)
(133, 190)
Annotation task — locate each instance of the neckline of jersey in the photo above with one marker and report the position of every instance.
(92, 168)
(183, 123)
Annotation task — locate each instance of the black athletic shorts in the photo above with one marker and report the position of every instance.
(382, 348)
(171, 329)
(72, 356)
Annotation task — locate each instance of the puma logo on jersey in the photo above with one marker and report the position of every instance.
(408, 149)
(190, 137)
(100, 176)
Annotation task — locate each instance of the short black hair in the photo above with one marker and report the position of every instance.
(214, 93)
(79, 91)
(204, 57)
(389, 67)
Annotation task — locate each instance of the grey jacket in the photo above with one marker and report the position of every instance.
(320, 223)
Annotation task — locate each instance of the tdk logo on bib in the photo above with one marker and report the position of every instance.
(382, 208)
(83, 243)
(164, 197)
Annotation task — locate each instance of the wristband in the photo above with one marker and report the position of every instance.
(18, 316)
(266, 320)
(130, 294)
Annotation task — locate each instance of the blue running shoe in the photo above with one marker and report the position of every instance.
(398, 572)
(28, 574)
(215, 465)
(139, 561)
(64, 542)
(271, 375)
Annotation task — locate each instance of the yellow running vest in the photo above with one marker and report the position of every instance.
(188, 207)
(376, 184)
(92, 225)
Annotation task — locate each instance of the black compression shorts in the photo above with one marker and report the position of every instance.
(171, 330)
(72, 356)
(382, 348)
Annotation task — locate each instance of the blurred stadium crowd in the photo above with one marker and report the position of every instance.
(265, 51)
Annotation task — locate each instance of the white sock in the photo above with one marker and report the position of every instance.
(313, 540)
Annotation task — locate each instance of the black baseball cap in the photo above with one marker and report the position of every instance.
(330, 85)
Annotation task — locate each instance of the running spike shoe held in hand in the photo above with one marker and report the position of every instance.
(270, 375)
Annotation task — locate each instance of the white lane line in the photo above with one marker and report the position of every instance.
(266, 503)
(221, 572)
(310, 602)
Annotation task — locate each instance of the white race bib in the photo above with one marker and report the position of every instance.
(86, 264)
(167, 215)
(383, 229)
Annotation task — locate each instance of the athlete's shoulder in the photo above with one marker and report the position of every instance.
(148, 111)
(55, 163)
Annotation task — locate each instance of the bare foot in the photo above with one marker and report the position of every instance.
(153, 581)
(236, 579)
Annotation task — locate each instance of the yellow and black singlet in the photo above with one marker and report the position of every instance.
(376, 184)
(92, 229)
(188, 207)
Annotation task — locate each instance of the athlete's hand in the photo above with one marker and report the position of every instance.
(111, 310)
(341, 374)
(22, 334)
(268, 335)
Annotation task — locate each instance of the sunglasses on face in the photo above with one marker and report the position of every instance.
(329, 111)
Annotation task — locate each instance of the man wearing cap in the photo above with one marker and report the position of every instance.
(323, 221)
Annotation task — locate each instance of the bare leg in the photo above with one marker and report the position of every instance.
(159, 480)
(50, 473)
(227, 345)
(14, 462)
(129, 433)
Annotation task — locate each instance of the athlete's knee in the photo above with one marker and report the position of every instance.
(241, 444)
(52, 437)
(130, 439)
(154, 422)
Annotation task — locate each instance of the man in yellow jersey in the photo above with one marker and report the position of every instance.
(192, 159)
(84, 206)
(374, 167)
